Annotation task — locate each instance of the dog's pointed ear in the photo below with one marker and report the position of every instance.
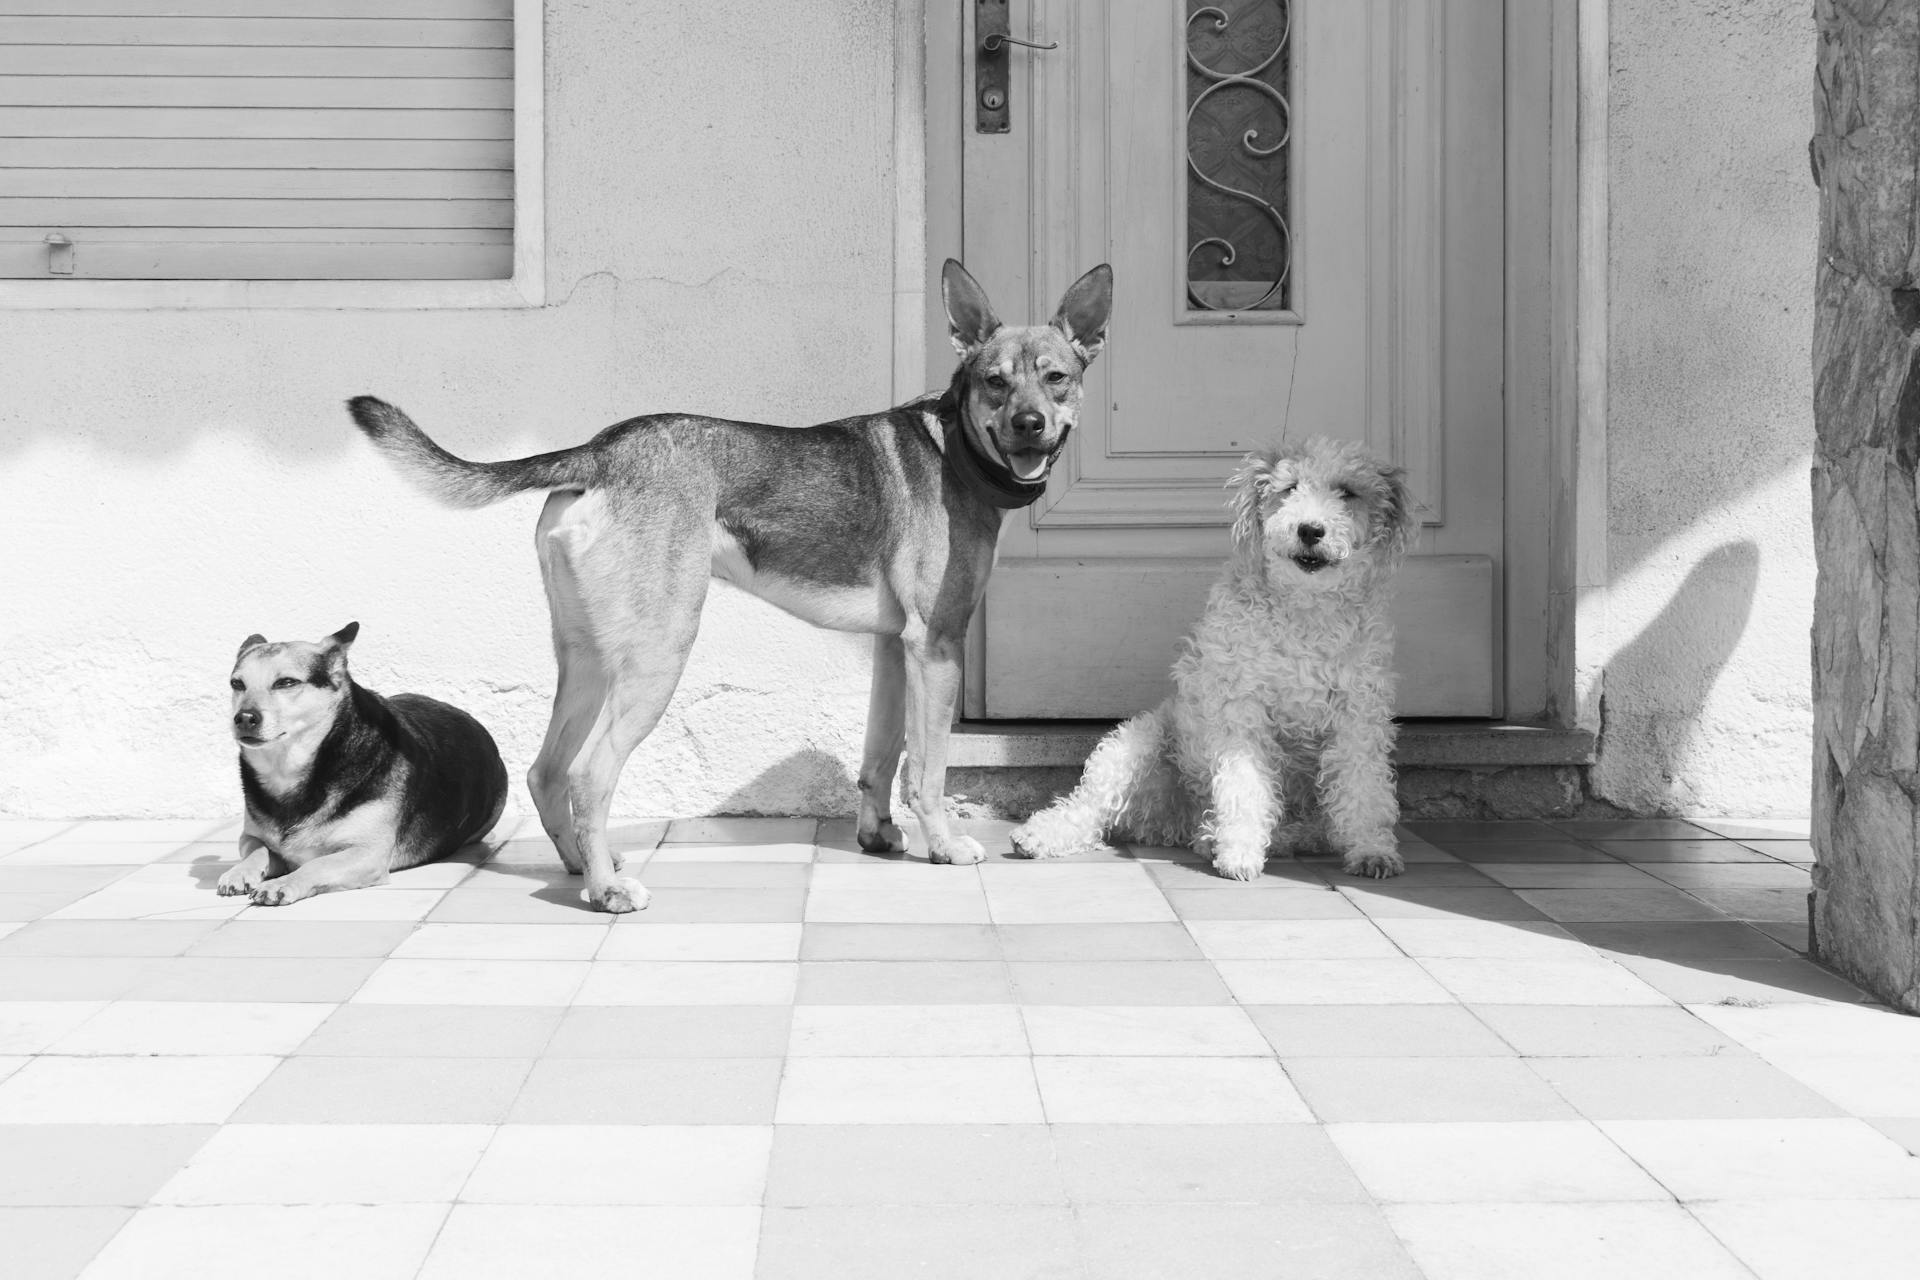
(1244, 488)
(1084, 310)
(253, 641)
(344, 637)
(970, 318)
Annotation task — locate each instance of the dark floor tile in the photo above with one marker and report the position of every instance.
(433, 1031)
(55, 1244)
(340, 939)
(649, 1091)
(1679, 939)
(106, 938)
(673, 1031)
(821, 941)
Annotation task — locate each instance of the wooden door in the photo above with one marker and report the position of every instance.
(1302, 203)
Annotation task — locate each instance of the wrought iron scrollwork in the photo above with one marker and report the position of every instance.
(1211, 222)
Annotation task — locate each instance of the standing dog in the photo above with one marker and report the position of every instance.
(1279, 728)
(885, 523)
(342, 785)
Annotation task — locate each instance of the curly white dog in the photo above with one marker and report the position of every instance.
(1279, 730)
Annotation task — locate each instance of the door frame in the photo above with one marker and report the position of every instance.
(1554, 415)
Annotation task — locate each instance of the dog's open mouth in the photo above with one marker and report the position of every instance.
(1311, 561)
(1028, 464)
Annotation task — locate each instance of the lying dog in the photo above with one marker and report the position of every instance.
(342, 785)
(884, 523)
(1279, 729)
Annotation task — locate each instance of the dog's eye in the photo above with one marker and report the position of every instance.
(1344, 494)
(237, 686)
(997, 382)
(285, 682)
(1055, 377)
(1285, 489)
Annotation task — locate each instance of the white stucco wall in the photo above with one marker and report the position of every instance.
(1702, 633)
(720, 213)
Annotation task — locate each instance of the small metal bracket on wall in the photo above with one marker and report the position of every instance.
(59, 255)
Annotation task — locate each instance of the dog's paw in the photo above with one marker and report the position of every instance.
(1380, 864)
(275, 893)
(1239, 862)
(884, 838)
(1050, 835)
(962, 851)
(237, 882)
(619, 896)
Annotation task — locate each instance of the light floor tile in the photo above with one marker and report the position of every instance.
(549, 877)
(927, 1242)
(224, 1028)
(1797, 1027)
(173, 831)
(41, 979)
(706, 873)
(269, 939)
(1331, 982)
(130, 1090)
(355, 904)
(1881, 1087)
(560, 1242)
(1590, 981)
(11, 927)
(1680, 1088)
(431, 876)
(501, 942)
(673, 1031)
(1279, 875)
(719, 906)
(11, 1063)
(104, 937)
(510, 982)
(92, 853)
(617, 982)
(741, 831)
(1088, 942)
(260, 979)
(29, 1026)
(1565, 1241)
(1240, 1242)
(649, 1091)
(433, 1031)
(1621, 1031)
(792, 851)
(1424, 1089)
(1375, 1031)
(918, 1031)
(534, 1164)
(18, 832)
(1168, 1090)
(883, 1164)
(903, 982)
(1143, 1031)
(55, 1243)
(1483, 939)
(1524, 1161)
(883, 905)
(146, 903)
(1258, 904)
(483, 906)
(1816, 1240)
(92, 1164)
(1108, 982)
(304, 1242)
(1050, 893)
(909, 1091)
(1291, 940)
(1169, 1163)
(915, 941)
(385, 1090)
(1842, 1159)
(703, 942)
(329, 1164)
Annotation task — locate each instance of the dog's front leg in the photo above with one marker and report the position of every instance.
(1243, 811)
(886, 735)
(354, 867)
(256, 861)
(1357, 795)
(933, 684)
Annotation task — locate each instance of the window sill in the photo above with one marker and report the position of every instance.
(188, 295)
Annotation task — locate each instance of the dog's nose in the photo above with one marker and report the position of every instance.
(1311, 533)
(246, 720)
(1029, 423)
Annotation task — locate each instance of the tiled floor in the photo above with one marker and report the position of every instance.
(1548, 1050)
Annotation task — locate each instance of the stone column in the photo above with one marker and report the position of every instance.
(1866, 368)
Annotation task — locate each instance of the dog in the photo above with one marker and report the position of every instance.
(1279, 732)
(885, 523)
(343, 786)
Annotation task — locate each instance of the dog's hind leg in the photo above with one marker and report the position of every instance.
(886, 735)
(580, 691)
(1123, 776)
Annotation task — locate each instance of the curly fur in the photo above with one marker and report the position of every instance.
(1279, 734)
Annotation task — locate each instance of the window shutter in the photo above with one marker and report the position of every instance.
(256, 139)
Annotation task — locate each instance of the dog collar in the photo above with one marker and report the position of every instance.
(991, 478)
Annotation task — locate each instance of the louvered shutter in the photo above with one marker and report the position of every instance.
(256, 139)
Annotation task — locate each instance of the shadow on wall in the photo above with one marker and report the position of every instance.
(808, 781)
(1647, 747)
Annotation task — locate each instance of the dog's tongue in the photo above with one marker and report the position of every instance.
(1027, 463)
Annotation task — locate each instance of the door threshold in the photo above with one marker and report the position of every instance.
(1015, 744)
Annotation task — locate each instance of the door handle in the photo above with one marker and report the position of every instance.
(991, 74)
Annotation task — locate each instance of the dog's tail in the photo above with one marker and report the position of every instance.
(456, 481)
